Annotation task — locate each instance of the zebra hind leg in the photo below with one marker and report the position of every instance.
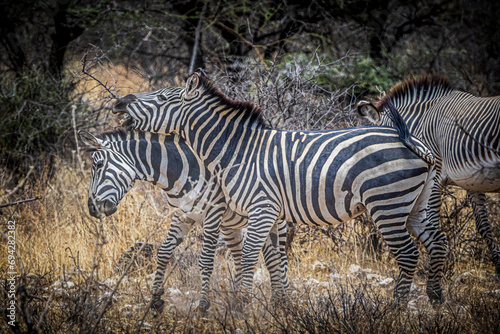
(436, 244)
(392, 228)
(178, 230)
(478, 201)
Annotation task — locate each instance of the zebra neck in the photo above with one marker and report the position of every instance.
(166, 162)
(215, 145)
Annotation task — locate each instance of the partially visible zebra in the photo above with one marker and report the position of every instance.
(314, 177)
(122, 157)
(463, 132)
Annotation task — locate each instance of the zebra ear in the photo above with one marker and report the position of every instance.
(369, 111)
(192, 84)
(90, 140)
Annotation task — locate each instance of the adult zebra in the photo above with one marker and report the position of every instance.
(314, 177)
(121, 157)
(463, 132)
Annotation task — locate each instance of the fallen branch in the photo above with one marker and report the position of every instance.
(20, 201)
(18, 186)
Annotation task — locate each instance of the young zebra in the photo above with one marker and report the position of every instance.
(313, 177)
(121, 157)
(463, 132)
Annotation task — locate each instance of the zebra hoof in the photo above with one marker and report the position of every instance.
(497, 274)
(157, 306)
(203, 307)
(280, 301)
(435, 297)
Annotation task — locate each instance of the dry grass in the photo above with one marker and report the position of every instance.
(337, 285)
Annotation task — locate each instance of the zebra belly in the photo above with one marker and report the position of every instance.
(483, 178)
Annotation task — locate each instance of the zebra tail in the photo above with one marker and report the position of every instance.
(404, 134)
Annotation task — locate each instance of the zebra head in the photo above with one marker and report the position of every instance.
(113, 175)
(164, 110)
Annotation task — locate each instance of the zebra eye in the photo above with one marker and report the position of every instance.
(99, 164)
(162, 97)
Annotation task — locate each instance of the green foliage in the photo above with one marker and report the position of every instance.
(36, 110)
(361, 74)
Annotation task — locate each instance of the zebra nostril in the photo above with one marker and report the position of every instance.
(92, 208)
(109, 207)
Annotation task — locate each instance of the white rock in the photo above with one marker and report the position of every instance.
(110, 282)
(386, 282)
(312, 281)
(336, 277)
(355, 269)
(260, 276)
(319, 266)
(174, 292)
(374, 277)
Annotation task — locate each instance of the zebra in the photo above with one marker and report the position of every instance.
(463, 132)
(120, 157)
(314, 177)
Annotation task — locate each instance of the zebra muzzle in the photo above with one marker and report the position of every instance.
(101, 209)
(121, 105)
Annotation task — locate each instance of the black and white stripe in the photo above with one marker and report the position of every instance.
(463, 132)
(122, 157)
(317, 178)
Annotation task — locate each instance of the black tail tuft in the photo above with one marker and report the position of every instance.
(404, 134)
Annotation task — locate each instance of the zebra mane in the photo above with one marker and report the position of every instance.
(248, 109)
(416, 89)
(117, 134)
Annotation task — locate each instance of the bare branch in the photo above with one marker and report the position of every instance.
(21, 201)
(84, 71)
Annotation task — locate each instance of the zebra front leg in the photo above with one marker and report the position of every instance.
(234, 241)
(282, 231)
(178, 230)
(478, 201)
(211, 228)
(261, 220)
(275, 266)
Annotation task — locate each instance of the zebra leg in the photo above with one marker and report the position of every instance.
(274, 264)
(178, 230)
(234, 241)
(478, 201)
(435, 196)
(434, 241)
(211, 227)
(261, 219)
(393, 229)
(272, 258)
(282, 230)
